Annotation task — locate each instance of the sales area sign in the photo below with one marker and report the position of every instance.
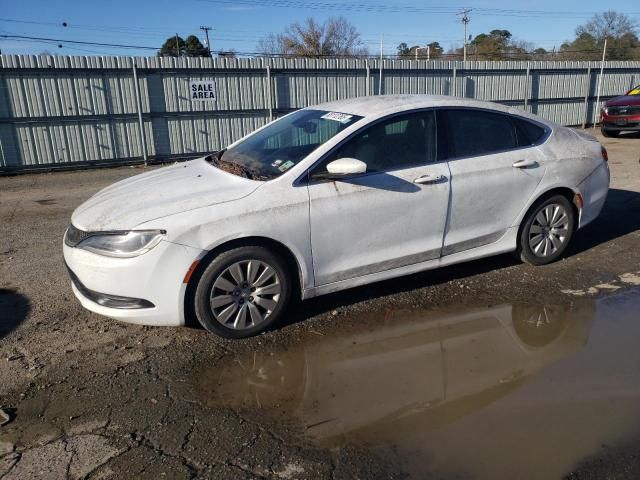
(202, 90)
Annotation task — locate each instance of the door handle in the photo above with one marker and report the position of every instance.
(429, 179)
(525, 164)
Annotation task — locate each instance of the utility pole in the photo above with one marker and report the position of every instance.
(465, 21)
(206, 34)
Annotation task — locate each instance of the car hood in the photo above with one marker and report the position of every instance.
(166, 191)
(624, 100)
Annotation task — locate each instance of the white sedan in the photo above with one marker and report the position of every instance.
(331, 197)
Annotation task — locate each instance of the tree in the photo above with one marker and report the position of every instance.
(491, 46)
(227, 54)
(172, 47)
(195, 48)
(336, 36)
(403, 50)
(607, 24)
(619, 30)
(176, 46)
(435, 51)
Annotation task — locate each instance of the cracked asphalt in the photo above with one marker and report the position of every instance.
(88, 397)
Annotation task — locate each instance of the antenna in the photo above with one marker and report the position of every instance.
(464, 13)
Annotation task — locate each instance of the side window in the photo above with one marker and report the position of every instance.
(402, 141)
(528, 133)
(473, 133)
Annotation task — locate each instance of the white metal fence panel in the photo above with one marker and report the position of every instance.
(65, 111)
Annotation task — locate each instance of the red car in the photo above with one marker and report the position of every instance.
(621, 114)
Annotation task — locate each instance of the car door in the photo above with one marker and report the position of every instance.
(493, 174)
(390, 217)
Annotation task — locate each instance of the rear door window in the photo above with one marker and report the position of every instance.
(473, 133)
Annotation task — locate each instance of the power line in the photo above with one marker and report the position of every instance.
(402, 8)
(78, 42)
(61, 42)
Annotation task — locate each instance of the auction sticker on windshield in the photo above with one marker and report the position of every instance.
(286, 166)
(337, 116)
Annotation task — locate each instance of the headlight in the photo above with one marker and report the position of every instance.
(122, 244)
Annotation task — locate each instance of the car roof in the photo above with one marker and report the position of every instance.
(381, 105)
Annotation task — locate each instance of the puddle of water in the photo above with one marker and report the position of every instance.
(510, 391)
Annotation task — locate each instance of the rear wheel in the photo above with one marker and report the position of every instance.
(242, 292)
(609, 133)
(547, 230)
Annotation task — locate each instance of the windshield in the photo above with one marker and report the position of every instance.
(284, 143)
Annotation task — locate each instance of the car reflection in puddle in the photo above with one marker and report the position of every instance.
(510, 391)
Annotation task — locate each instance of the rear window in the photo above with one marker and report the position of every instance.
(528, 133)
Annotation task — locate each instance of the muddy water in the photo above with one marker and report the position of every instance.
(511, 391)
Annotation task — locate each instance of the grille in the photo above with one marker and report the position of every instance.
(74, 236)
(624, 110)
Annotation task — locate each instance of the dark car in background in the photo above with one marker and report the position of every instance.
(621, 114)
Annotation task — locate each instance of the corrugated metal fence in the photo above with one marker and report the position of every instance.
(65, 111)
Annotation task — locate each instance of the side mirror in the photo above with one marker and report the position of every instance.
(346, 166)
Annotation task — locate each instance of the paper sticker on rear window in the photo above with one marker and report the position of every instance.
(635, 91)
(337, 116)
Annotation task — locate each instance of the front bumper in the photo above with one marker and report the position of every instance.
(155, 278)
(620, 123)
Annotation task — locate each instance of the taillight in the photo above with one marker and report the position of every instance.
(605, 155)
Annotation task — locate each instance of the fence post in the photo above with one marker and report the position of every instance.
(270, 91)
(368, 78)
(143, 134)
(527, 89)
(596, 110)
(587, 90)
(453, 81)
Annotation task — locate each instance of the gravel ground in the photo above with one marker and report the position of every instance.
(88, 397)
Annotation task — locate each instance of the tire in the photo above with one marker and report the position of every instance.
(541, 242)
(609, 133)
(226, 298)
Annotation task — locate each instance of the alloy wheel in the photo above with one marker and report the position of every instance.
(549, 230)
(245, 294)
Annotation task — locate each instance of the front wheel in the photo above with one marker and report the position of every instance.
(547, 231)
(242, 292)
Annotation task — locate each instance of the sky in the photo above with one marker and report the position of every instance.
(239, 24)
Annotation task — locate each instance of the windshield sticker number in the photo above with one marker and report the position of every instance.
(337, 117)
(286, 166)
(276, 163)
